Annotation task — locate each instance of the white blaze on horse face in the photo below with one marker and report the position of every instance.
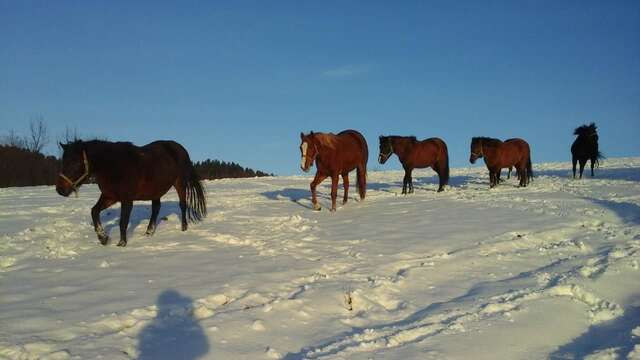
(303, 147)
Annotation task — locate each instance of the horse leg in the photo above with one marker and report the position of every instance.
(438, 171)
(125, 212)
(155, 209)
(593, 162)
(582, 164)
(361, 174)
(182, 196)
(522, 170)
(316, 180)
(405, 181)
(410, 182)
(509, 173)
(492, 178)
(345, 184)
(334, 191)
(100, 205)
(574, 160)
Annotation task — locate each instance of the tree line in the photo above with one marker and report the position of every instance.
(22, 162)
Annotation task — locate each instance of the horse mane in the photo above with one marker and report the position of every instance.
(585, 130)
(488, 141)
(413, 139)
(326, 140)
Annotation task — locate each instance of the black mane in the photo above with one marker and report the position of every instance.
(586, 130)
(411, 138)
(487, 140)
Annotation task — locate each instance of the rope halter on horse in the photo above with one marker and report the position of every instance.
(481, 152)
(74, 184)
(386, 156)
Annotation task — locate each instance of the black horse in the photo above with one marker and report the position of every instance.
(585, 147)
(125, 172)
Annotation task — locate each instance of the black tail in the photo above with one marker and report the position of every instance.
(529, 170)
(361, 171)
(196, 198)
(444, 176)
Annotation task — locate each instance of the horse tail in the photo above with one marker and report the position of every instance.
(361, 171)
(195, 194)
(529, 170)
(444, 165)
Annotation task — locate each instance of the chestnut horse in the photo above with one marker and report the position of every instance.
(498, 155)
(416, 154)
(125, 172)
(335, 155)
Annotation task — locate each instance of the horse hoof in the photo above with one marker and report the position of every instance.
(317, 207)
(184, 227)
(440, 190)
(332, 210)
(104, 240)
(150, 232)
(122, 243)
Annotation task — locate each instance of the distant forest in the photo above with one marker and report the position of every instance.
(23, 164)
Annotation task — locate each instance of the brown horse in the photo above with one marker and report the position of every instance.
(125, 172)
(416, 154)
(335, 155)
(498, 155)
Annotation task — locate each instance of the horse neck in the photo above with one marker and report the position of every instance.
(323, 149)
(401, 147)
(97, 155)
(491, 154)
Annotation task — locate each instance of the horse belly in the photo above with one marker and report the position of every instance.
(147, 189)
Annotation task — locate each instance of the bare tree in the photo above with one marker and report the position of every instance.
(15, 140)
(38, 138)
(70, 134)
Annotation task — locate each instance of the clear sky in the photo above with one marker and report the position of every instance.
(239, 80)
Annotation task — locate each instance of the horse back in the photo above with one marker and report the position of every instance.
(427, 152)
(350, 151)
(141, 172)
(515, 150)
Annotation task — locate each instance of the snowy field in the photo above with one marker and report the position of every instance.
(550, 271)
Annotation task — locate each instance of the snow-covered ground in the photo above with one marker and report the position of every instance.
(550, 271)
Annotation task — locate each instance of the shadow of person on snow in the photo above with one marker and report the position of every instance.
(174, 333)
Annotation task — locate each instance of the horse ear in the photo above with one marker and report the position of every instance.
(301, 135)
(63, 146)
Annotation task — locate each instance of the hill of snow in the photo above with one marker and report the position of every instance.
(548, 271)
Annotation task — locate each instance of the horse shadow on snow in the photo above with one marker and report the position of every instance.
(616, 333)
(421, 183)
(629, 174)
(140, 214)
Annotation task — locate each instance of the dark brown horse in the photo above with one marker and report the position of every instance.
(125, 172)
(585, 147)
(416, 154)
(498, 154)
(335, 155)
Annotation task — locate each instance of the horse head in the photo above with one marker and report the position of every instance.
(308, 151)
(75, 168)
(476, 150)
(386, 149)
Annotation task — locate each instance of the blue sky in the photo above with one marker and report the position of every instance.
(239, 80)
